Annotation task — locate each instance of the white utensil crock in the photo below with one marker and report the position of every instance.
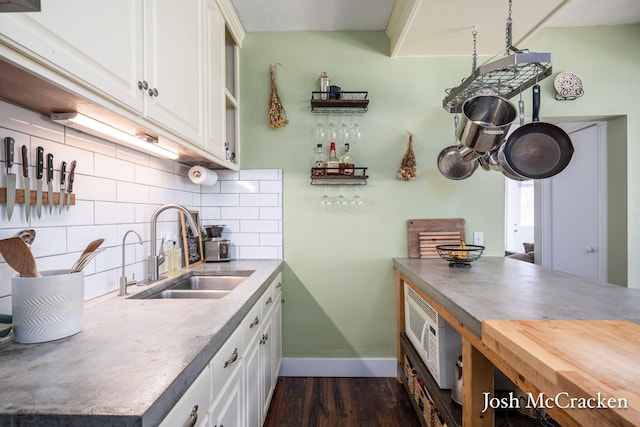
(47, 308)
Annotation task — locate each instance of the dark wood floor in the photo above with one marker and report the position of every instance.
(340, 402)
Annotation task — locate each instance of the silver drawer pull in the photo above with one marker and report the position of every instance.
(254, 323)
(269, 301)
(279, 285)
(264, 338)
(233, 358)
(193, 418)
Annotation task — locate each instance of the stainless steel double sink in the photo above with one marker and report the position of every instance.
(199, 286)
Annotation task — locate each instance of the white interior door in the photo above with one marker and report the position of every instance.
(573, 209)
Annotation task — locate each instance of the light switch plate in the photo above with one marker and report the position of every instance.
(478, 238)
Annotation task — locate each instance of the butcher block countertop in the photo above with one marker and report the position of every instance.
(132, 361)
(580, 364)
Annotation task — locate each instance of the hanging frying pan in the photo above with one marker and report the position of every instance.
(538, 150)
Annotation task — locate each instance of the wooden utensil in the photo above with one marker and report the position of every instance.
(28, 236)
(92, 246)
(82, 262)
(19, 257)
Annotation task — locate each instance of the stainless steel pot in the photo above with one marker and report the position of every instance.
(452, 166)
(485, 123)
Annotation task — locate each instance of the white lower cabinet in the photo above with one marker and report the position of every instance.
(236, 387)
(191, 409)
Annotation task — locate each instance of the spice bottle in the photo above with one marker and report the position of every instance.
(324, 85)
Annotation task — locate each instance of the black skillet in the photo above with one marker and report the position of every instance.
(538, 150)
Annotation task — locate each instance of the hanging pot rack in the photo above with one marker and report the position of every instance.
(506, 77)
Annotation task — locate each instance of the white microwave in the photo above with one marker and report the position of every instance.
(435, 340)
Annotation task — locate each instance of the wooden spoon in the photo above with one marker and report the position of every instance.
(91, 247)
(19, 257)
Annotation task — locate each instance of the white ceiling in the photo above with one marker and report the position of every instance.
(434, 27)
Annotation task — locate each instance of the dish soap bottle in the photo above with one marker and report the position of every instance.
(174, 262)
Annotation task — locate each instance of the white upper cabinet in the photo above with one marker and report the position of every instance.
(174, 66)
(215, 82)
(100, 43)
(162, 61)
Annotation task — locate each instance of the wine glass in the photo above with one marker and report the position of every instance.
(355, 132)
(326, 202)
(320, 133)
(344, 133)
(356, 202)
(341, 203)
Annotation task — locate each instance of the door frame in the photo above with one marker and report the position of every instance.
(543, 237)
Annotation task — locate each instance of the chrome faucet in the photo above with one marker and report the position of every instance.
(156, 260)
(123, 279)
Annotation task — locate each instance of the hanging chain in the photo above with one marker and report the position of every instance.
(475, 53)
(508, 34)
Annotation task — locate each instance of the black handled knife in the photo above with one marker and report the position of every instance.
(39, 171)
(63, 178)
(72, 172)
(11, 177)
(27, 181)
(50, 180)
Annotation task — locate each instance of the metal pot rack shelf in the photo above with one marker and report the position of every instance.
(506, 77)
(350, 102)
(319, 176)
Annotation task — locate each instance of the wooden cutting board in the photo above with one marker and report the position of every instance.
(582, 358)
(433, 225)
(430, 239)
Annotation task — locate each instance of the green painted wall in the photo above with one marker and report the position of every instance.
(340, 299)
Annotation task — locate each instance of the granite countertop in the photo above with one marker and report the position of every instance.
(133, 359)
(504, 288)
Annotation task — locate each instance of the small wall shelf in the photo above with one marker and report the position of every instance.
(347, 103)
(323, 176)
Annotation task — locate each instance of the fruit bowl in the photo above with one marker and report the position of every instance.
(460, 257)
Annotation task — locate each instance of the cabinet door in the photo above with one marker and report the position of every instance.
(227, 410)
(215, 80)
(93, 42)
(193, 404)
(174, 66)
(252, 384)
(266, 367)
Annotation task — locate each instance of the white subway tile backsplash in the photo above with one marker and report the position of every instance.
(232, 212)
(271, 187)
(259, 175)
(118, 189)
(112, 168)
(133, 193)
(239, 186)
(259, 226)
(114, 213)
(88, 187)
(258, 200)
(271, 212)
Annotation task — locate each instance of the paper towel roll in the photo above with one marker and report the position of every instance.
(202, 176)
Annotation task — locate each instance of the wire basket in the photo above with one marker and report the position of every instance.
(460, 257)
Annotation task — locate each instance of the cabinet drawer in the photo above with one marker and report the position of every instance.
(251, 324)
(226, 360)
(195, 399)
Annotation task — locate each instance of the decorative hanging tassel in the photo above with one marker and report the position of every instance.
(277, 114)
(408, 169)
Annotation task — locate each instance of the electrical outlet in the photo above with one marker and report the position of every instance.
(478, 238)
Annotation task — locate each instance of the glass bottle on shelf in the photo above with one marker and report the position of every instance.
(346, 162)
(319, 161)
(333, 164)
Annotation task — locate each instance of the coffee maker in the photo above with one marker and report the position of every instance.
(216, 249)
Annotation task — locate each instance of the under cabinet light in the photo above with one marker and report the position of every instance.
(94, 127)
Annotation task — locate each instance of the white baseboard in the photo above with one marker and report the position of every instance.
(314, 367)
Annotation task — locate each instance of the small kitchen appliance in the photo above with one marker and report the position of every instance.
(216, 249)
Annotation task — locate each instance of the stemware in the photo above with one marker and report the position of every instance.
(356, 202)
